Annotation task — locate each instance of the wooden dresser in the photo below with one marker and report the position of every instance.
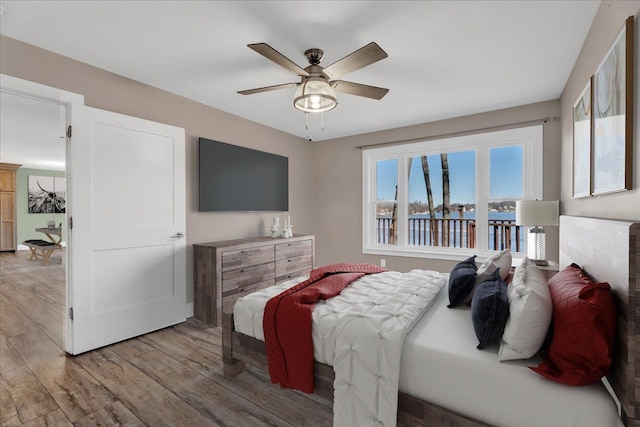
(225, 271)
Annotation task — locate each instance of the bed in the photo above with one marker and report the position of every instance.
(469, 383)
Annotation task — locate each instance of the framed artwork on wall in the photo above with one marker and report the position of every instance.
(582, 126)
(47, 194)
(612, 157)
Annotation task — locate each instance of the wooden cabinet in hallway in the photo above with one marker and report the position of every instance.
(8, 206)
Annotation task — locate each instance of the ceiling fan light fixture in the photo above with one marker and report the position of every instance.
(315, 95)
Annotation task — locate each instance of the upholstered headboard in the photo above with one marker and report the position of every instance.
(609, 251)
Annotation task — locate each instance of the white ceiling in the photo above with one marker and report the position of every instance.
(446, 58)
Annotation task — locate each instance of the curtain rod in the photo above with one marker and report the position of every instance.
(451, 134)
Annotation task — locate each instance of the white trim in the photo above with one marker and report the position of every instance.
(17, 86)
(28, 88)
(530, 137)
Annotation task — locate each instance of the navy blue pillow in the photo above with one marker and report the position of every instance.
(461, 281)
(490, 309)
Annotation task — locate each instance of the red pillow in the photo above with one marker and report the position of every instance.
(584, 329)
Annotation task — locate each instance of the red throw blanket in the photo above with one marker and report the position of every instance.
(287, 322)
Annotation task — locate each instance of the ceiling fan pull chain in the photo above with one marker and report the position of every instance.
(322, 125)
(306, 126)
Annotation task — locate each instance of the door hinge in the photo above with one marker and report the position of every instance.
(69, 131)
(70, 223)
(71, 313)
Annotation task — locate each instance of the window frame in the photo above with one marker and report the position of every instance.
(530, 137)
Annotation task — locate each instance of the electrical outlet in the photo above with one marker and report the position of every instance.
(383, 262)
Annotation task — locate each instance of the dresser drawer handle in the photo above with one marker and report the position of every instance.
(288, 260)
(242, 271)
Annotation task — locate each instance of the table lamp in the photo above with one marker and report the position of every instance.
(537, 214)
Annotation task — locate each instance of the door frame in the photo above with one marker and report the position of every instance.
(17, 86)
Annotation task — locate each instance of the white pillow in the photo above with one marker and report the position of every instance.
(501, 260)
(530, 312)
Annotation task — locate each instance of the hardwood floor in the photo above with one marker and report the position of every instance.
(172, 377)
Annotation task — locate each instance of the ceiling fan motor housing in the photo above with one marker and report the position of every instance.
(314, 55)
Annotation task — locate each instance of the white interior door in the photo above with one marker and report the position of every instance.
(127, 251)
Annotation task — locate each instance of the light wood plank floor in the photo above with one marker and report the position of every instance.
(171, 377)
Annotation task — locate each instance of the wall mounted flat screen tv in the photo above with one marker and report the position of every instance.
(238, 179)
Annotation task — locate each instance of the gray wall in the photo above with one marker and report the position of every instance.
(338, 182)
(108, 91)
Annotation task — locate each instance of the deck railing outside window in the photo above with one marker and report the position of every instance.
(452, 233)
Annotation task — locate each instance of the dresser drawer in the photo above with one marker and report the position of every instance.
(246, 276)
(230, 298)
(289, 265)
(292, 275)
(232, 260)
(293, 249)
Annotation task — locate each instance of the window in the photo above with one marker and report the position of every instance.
(450, 197)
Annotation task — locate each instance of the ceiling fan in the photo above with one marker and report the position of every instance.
(317, 86)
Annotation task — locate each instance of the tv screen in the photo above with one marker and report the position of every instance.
(234, 179)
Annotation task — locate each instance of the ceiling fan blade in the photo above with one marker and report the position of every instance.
(358, 89)
(275, 56)
(362, 57)
(267, 88)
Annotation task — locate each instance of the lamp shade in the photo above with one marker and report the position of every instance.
(537, 212)
(315, 95)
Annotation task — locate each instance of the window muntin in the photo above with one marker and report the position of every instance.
(479, 164)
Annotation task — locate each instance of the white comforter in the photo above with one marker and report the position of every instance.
(360, 333)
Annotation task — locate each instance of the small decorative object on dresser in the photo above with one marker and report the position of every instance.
(275, 228)
(225, 271)
(288, 228)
